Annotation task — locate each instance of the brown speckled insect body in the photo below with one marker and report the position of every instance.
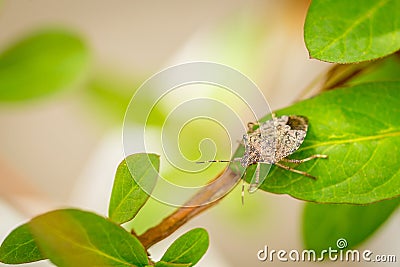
(271, 143)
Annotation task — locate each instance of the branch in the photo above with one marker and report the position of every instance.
(338, 75)
(203, 200)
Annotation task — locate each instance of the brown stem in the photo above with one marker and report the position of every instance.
(337, 76)
(203, 200)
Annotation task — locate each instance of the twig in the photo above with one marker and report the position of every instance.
(203, 200)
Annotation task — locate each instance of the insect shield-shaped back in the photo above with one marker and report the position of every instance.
(290, 135)
(272, 142)
(274, 139)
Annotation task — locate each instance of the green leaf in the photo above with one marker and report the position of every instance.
(324, 224)
(41, 64)
(19, 247)
(357, 127)
(127, 195)
(168, 264)
(78, 238)
(344, 31)
(188, 248)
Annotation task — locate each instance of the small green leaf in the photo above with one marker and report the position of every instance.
(19, 247)
(344, 31)
(188, 248)
(357, 127)
(136, 176)
(324, 224)
(41, 64)
(169, 264)
(78, 238)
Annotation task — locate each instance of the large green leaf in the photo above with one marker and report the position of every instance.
(324, 224)
(187, 249)
(19, 247)
(344, 31)
(359, 129)
(136, 176)
(78, 238)
(41, 64)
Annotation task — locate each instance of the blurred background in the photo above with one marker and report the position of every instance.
(62, 108)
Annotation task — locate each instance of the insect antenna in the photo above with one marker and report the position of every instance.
(256, 182)
(207, 161)
(233, 160)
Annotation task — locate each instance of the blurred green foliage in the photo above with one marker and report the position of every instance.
(324, 224)
(43, 63)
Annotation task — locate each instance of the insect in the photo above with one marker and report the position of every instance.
(271, 143)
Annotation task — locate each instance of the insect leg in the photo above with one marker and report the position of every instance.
(238, 174)
(294, 170)
(306, 159)
(254, 185)
(244, 176)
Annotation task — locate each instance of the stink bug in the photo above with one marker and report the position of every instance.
(271, 143)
